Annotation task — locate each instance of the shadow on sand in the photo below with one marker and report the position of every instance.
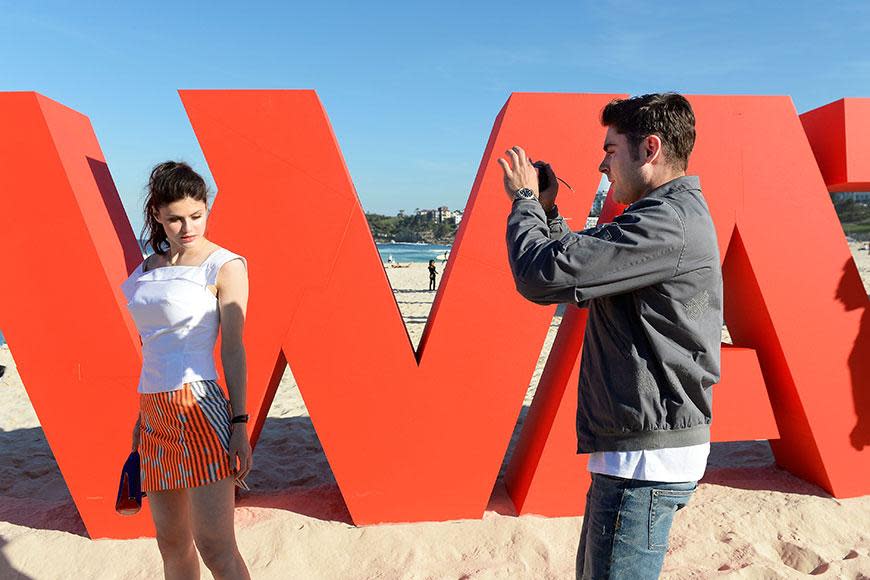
(7, 571)
(291, 473)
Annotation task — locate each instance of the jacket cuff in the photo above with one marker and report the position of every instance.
(553, 213)
(529, 204)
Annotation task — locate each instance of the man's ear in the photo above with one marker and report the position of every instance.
(652, 148)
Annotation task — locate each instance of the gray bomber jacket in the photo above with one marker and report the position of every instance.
(653, 284)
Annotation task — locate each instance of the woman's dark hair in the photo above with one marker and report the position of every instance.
(170, 181)
(668, 115)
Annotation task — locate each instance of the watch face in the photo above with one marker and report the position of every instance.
(525, 193)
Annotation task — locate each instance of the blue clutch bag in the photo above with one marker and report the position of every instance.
(130, 494)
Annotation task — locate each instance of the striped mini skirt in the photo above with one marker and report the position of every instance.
(184, 437)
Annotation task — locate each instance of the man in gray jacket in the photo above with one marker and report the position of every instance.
(653, 285)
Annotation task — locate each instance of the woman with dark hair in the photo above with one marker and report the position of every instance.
(192, 440)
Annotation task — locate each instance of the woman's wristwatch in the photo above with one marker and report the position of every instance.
(239, 419)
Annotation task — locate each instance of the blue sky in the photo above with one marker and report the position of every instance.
(411, 89)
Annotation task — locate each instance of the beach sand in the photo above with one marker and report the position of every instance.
(748, 518)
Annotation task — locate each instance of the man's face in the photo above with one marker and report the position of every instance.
(623, 167)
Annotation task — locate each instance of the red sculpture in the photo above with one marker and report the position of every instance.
(420, 436)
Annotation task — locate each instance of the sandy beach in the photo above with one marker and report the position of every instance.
(748, 519)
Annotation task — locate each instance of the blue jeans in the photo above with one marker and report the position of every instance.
(626, 526)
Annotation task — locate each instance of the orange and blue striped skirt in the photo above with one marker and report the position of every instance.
(184, 437)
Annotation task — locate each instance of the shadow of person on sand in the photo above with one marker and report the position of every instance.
(7, 571)
(851, 294)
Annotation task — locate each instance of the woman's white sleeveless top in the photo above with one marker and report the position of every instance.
(178, 319)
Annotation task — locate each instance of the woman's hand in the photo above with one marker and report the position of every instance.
(240, 452)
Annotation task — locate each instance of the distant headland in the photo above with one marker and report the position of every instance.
(429, 226)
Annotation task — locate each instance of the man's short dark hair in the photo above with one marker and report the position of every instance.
(668, 115)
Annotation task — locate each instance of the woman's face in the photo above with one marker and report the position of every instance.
(183, 221)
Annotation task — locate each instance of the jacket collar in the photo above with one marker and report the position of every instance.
(683, 183)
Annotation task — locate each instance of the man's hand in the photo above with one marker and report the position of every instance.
(518, 173)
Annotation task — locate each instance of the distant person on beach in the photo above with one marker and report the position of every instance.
(192, 441)
(652, 282)
(432, 273)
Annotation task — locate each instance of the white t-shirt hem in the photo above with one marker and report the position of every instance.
(669, 465)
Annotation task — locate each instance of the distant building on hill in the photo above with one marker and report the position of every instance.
(598, 202)
(441, 214)
(444, 214)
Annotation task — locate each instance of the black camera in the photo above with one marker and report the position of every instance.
(543, 174)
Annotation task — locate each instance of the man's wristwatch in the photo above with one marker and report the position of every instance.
(524, 193)
(239, 419)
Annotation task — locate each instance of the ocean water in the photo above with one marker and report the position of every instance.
(403, 253)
